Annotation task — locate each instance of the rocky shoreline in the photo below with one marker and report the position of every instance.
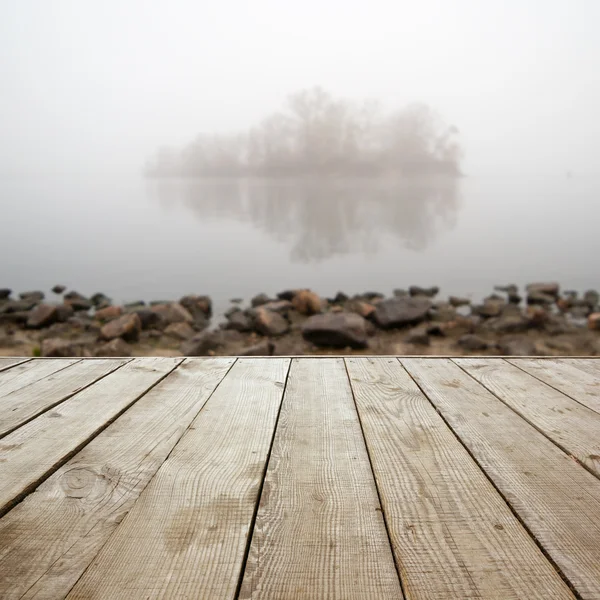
(540, 320)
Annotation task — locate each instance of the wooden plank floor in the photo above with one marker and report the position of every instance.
(300, 478)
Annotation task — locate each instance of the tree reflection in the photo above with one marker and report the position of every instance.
(323, 217)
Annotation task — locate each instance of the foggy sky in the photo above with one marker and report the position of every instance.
(98, 86)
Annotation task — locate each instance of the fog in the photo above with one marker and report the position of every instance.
(91, 87)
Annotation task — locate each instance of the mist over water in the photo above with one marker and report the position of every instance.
(89, 96)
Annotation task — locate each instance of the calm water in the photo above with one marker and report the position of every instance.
(137, 239)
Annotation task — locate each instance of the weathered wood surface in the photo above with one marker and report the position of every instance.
(29, 454)
(319, 531)
(6, 363)
(452, 533)
(575, 382)
(574, 427)
(369, 477)
(25, 403)
(66, 521)
(557, 499)
(23, 375)
(186, 535)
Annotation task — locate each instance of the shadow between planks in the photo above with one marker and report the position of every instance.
(286, 477)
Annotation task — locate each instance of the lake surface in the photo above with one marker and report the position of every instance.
(142, 239)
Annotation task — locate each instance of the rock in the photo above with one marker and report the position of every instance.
(14, 317)
(278, 306)
(173, 313)
(472, 342)
(509, 289)
(591, 298)
(307, 302)
(239, 321)
(135, 305)
(540, 298)
(515, 298)
(580, 312)
(200, 307)
(269, 323)
(236, 300)
(517, 347)
(13, 306)
(442, 312)
(400, 312)
(337, 330)
(180, 331)
(260, 299)
(364, 309)
(127, 327)
(116, 347)
(108, 313)
(457, 301)
(417, 338)
(491, 307)
(265, 348)
(64, 312)
(43, 315)
(60, 348)
(508, 324)
(430, 292)
(76, 301)
(594, 322)
(206, 343)
(35, 296)
(231, 311)
(150, 319)
(400, 293)
(5, 293)
(340, 298)
(371, 296)
(287, 295)
(551, 289)
(59, 289)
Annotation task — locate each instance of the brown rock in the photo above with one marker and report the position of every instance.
(269, 323)
(364, 309)
(200, 307)
(173, 313)
(457, 301)
(239, 321)
(43, 315)
(206, 343)
(260, 299)
(77, 302)
(552, 289)
(594, 321)
(64, 312)
(417, 338)
(337, 330)
(307, 302)
(278, 306)
(180, 331)
(472, 342)
(116, 347)
(108, 313)
(265, 348)
(491, 307)
(59, 289)
(517, 347)
(127, 327)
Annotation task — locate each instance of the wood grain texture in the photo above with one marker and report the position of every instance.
(589, 365)
(572, 381)
(29, 454)
(574, 427)
(319, 530)
(23, 375)
(23, 404)
(65, 522)
(453, 535)
(557, 499)
(186, 536)
(7, 363)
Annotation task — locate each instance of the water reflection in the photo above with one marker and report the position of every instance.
(323, 218)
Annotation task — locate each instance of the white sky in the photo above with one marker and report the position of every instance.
(92, 86)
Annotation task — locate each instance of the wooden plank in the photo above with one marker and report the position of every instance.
(575, 383)
(186, 535)
(453, 535)
(24, 404)
(574, 427)
(7, 363)
(30, 372)
(556, 498)
(591, 366)
(319, 531)
(32, 452)
(66, 521)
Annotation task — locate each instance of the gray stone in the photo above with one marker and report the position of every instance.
(472, 342)
(400, 312)
(13, 306)
(337, 330)
(5, 293)
(43, 315)
(430, 292)
(491, 307)
(100, 300)
(35, 296)
(540, 298)
(260, 299)
(239, 321)
(400, 293)
(509, 289)
(59, 289)
(508, 324)
(457, 301)
(150, 319)
(77, 301)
